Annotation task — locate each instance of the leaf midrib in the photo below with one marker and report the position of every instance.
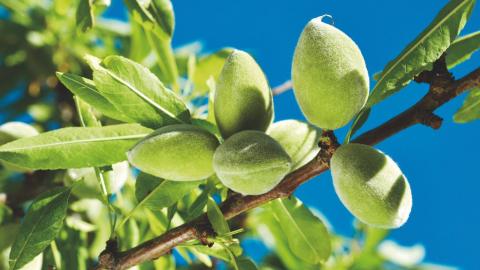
(81, 83)
(22, 250)
(143, 96)
(384, 74)
(128, 137)
(298, 228)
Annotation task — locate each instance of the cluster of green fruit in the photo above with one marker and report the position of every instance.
(331, 85)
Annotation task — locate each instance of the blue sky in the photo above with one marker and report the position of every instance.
(442, 166)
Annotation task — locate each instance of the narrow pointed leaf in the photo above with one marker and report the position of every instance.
(462, 49)
(86, 90)
(155, 193)
(357, 123)
(470, 109)
(157, 20)
(424, 50)
(75, 147)
(41, 225)
(307, 236)
(85, 15)
(216, 218)
(137, 92)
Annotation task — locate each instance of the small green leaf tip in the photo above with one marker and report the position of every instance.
(371, 185)
(329, 75)
(243, 100)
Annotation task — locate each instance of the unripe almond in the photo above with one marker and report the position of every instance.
(176, 152)
(371, 186)
(329, 75)
(251, 163)
(299, 139)
(243, 100)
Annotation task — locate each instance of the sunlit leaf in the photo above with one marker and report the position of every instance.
(470, 109)
(424, 50)
(306, 234)
(137, 92)
(462, 49)
(75, 147)
(86, 90)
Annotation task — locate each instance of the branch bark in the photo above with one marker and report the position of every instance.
(443, 88)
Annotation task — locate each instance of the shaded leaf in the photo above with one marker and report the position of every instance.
(462, 49)
(156, 193)
(470, 109)
(86, 90)
(137, 92)
(358, 122)
(74, 147)
(306, 234)
(41, 225)
(216, 218)
(423, 51)
(85, 15)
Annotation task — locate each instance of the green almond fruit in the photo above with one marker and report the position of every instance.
(12, 131)
(299, 139)
(371, 186)
(329, 75)
(251, 163)
(243, 100)
(176, 152)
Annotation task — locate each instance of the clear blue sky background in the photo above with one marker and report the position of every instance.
(442, 165)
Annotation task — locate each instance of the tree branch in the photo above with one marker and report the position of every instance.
(443, 88)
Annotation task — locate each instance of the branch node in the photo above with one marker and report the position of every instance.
(438, 77)
(328, 144)
(204, 233)
(108, 257)
(431, 120)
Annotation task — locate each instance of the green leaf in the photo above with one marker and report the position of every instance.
(41, 225)
(157, 19)
(209, 66)
(307, 236)
(85, 15)
(358, 122)
(155, 193)
(137, 92)
(470, 109)
(423, 51)
(74, 147)
(86, 90)
(462, 49)
(216, 218)
(86, 114)
(245, 263)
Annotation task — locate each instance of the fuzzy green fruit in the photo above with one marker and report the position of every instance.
(176, 152)
(330, 78)
(299, 139)
(371, 186)
(12, 131)
(251, 163)
(243, 100)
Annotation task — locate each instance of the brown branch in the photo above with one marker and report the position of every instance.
(442, 89)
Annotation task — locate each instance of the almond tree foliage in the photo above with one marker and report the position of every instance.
(70, 198)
